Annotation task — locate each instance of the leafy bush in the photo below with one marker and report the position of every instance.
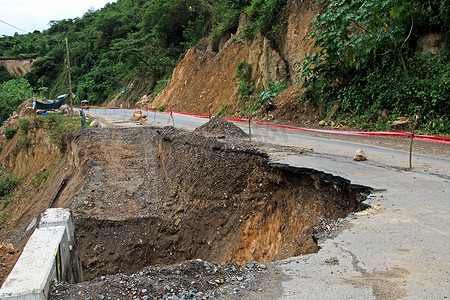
(12, 94)
(366, 62)
(268, 94)
(9, 132)
(8, 183)
(4, 74)
(245, 86)
(269, 17)
(24, 141)
(59, 130)
(24, 125)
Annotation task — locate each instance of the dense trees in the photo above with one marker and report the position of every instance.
(365, 47)
(111, 46)
(12, 94)
(367, 61)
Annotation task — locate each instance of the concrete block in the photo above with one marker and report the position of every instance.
(59, 217)
(39, 264)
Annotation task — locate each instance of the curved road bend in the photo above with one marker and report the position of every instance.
(400, 251)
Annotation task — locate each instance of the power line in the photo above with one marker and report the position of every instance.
(13, 26)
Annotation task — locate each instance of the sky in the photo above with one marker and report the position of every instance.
(31, 15)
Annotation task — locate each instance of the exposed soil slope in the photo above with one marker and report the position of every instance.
(41, 169)
(18, 67)
(206, 77)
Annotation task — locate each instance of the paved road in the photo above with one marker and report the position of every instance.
(398, 251)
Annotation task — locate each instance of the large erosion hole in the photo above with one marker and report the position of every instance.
(191, 196)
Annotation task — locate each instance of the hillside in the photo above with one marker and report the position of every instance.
(206, 78)
(301, 61)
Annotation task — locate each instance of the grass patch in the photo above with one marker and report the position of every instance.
(8, 183)
(40, 178)
(9, 132)
(61, 129)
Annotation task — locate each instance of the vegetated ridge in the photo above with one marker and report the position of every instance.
(257, 58)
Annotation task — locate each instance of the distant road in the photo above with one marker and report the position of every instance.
(400, 250)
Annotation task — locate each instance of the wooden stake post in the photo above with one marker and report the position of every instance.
(249, 127)
(411, 144)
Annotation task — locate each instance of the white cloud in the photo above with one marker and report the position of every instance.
(31, 15)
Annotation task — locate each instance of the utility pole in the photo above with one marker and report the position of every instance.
(70, 82)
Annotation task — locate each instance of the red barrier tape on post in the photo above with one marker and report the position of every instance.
(428, 138)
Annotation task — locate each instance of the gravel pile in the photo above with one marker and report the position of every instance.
(193, 279)
(219, 127)
(327, 228)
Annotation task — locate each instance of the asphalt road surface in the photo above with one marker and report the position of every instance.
(398, 250)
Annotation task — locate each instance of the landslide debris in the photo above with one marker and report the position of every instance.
(218, 127)
(193, 279)
(138, 116)
(153, 206)
(151, 196)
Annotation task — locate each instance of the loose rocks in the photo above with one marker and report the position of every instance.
(193, 279)
(138, 116)
(360, 155)
(221, 128)
(94, 124)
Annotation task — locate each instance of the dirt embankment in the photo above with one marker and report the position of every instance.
(40, 168)
(205, 79)
(18, 67)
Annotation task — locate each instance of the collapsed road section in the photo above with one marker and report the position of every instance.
(163, 196)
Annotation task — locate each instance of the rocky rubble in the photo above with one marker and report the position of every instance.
(193, 279)
(138, 116)
(220, 128)
(327, 228)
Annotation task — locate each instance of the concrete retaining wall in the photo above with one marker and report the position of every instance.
(50, 254)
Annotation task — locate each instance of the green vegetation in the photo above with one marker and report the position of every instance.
(368, 63)
(24, 125)
(265, 96)
(40, 178)
(8, 183)
(268, 17)
(12, 94)
(131, 40)
(245, 85)
(5, 75)
(269, 94)
(225, 110)
(9, 132)
(24, 141)
(61, 129)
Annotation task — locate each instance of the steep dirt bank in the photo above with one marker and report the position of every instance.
(206, 77)
(41, 168)
(18, 67)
